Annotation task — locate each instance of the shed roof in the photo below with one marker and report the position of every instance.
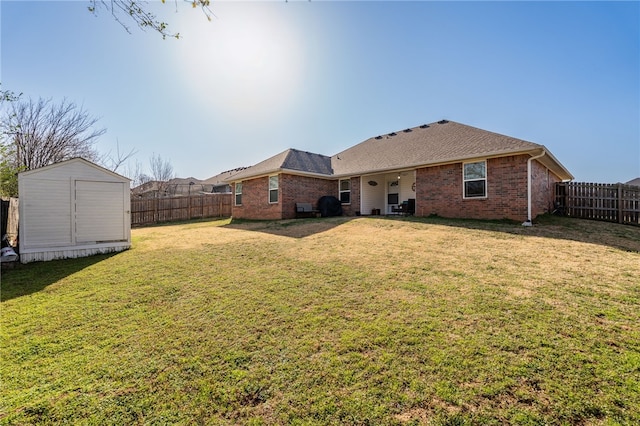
(65, 163)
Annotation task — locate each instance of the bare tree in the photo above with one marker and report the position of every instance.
(44, 133)
(114, 161)
(161, 172)
(136, 174)
(134, 11)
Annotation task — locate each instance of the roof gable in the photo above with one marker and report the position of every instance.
(435, 143)
(291, 160)
(307, 162)
(430, 144)
(76, 160)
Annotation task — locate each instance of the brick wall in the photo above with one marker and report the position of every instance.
(303, 189)
(292, 189)
(353, 207)
(439, 191)
(255, 201)
(542, 189)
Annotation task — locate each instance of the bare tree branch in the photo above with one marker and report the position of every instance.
(161, 172)
(113, 163)
(133, 10)
(44, 133)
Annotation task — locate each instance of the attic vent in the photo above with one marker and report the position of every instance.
(407, 130)
(443, 121)
(378, 137)
(424, 126)
(392, 134)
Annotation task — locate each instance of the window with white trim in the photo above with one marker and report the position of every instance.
(475, 179)
(273, 189)
(238, 193)
(345, 191)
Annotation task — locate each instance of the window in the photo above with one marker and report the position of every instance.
(345, 191)
(273, 189)
(475, 179)
(238, 193)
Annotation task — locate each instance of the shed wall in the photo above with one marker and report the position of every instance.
(45, 213)
(72, 209)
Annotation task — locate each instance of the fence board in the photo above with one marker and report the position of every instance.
(146, 211)
(599, 201)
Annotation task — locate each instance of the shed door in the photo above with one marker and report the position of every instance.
(100, 214)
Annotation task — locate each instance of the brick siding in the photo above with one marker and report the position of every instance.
(542, 189)
(292, 189)
(255, 201)
(303, 189)
(439, 190)
(354, 206)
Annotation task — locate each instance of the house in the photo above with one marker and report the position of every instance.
(219, 184)
(176, 187)
(444, 168)
(634, 182)
(72, 209)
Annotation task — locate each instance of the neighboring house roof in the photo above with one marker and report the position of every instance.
(183, 181)
(221, 178)
(635, 182)
(150, 186)
(430, 144)
(173, 185)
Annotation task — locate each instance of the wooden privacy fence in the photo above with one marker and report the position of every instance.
(599, 201)
(9, 217)
(145, 211)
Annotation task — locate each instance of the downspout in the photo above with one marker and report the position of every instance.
(542, 154)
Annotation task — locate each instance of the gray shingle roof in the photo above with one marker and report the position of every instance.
(435, 143)
(291, 159)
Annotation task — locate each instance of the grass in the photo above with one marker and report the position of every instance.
(331, 321)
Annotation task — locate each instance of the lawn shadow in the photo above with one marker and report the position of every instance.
(292, 228)
(622, 237)
(25, 279)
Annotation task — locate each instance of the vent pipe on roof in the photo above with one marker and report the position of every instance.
(528, 221)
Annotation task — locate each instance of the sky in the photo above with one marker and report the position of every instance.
(322, 76)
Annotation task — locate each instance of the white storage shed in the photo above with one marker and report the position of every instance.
(74, 208)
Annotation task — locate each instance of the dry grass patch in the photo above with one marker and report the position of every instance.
(331, 321)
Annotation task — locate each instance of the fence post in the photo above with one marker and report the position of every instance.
(620, 205)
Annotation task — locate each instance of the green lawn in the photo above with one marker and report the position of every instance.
(339, 321)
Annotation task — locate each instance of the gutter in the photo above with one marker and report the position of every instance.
(542, 154)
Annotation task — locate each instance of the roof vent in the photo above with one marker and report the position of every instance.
(443, 121)
(407, 130)
(424, 126)
(392, 134)
(378, 137)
